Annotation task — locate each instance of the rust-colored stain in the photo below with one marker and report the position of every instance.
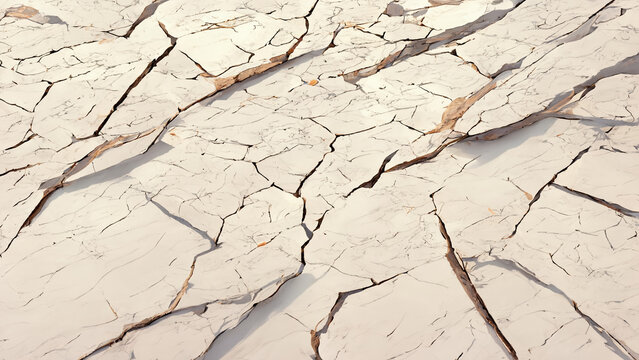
(349, 24)
(458, 107)
(313, 82)
(262, 244)
(172, 133)
(528, 195)
(491, 211)
(21, 12)
(360, 73)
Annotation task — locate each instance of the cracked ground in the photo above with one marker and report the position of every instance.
(319, 179)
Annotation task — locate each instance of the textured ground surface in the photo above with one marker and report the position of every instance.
(264, 179)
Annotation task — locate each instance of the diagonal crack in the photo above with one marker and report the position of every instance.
(149, 320)
(370, 183)
(547, 184)
(172, 307)
(469, 287)
(606, 203)
(610, 339)
(226, 82)
(556, 108)
(298, 192)
(417, 47)
(137, 81)
(19, 169)
(341, 297)
(23, 141)
(59, 182)
(221, 84)
(622, 350)
(576, 34)
(629, 65)
(182, 221)
(453, 112)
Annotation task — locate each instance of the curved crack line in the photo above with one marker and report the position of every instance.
(610, 339)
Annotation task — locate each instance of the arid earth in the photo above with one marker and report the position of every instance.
(319, 179)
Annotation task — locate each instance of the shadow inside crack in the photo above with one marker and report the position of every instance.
(116, 171)
(259, 315)
(261, 78)
(490, 150)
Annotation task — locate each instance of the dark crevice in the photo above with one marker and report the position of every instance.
(610, 339)
(21, 141)
(608, 204)
(18, 169)
(137, 81)
(370, 183)
(622, 350)
(416, 47)
(182, 221)
(426, 157)
(16, 105)
(469, 287)
(309, 234)
(298, 192)
(629, 65)
(221, 85)
(46, 92)
(472, 64)
(146, 13)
